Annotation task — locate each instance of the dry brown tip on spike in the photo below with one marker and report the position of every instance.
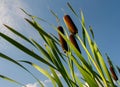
(113, 73)
(74, 42)
(70, 24)
(62, 41)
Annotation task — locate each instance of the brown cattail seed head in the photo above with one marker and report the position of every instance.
(70, 24)
(113, 73)
(74, 42)
(112, 70)
(62, 41)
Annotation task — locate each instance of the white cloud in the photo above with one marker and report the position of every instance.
(45, 83)
(48, 81)
(32, 85)
(10, 12)
(11, 15)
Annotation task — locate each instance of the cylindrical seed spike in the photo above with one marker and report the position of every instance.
(70, 24)
(74, 42)
(113, 73)
(62, 41)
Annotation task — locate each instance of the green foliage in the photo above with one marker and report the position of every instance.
(93, 71)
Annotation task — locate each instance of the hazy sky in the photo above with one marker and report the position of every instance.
(102, 15)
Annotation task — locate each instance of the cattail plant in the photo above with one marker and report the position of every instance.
(62, 41)
(112, 69)
(61, 69)
(113, 73)
(70, 24)
(74, 42)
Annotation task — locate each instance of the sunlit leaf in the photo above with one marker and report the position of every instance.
(42, 33)
(57, 77)
(91, 30)
(17, 33)
(42, 50)
(17, 63)
(10, 80)
(43, 71)
(102, 62)
(24, 49)
(87, 76)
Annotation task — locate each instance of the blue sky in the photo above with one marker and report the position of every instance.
(102, 15)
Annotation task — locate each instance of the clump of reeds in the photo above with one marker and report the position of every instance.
(73, 30)
(62, 67)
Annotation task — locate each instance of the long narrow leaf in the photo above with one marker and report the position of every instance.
(43, 71)
(88, 78)
(17, 33)
(71, 8)
(93, 61)
(104, 66)
(15, 62)
(92, 33)
(58, 62)
(10, 80)
(24, 49)
(39, 29)
(54, 14)
(57, 77)
(41, 49)
(33, 17)
(83, 31)
(102, 62)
